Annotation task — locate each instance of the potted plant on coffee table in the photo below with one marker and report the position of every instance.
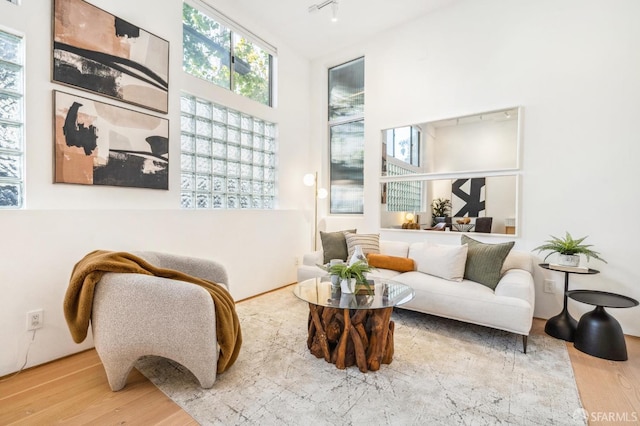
(350, 275)
(569, 250)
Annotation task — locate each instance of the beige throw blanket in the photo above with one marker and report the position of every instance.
(87, 272)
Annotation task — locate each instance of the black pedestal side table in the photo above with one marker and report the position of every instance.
(563, 326)
(598, 333)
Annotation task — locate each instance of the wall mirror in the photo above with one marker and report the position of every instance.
(478, 142)
(407, 204)
(471, 161)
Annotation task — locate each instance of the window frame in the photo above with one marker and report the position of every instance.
(340, 121)
(236, 30)
(20, 151)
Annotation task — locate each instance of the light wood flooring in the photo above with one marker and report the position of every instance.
(74, 390)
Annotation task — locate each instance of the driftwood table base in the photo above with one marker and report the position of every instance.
(345, 337)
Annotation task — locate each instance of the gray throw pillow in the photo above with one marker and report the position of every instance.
(334, 245)
(484, 261)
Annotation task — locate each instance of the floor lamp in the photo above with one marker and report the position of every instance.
(311, 179)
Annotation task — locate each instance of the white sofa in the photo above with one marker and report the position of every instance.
(509, 307)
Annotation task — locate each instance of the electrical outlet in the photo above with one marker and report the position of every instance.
(549, 286)
(35, 319)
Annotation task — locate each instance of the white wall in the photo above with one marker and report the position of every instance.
(573, 66)
(61, 223)
(490, 145)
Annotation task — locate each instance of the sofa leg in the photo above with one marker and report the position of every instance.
(524, 343)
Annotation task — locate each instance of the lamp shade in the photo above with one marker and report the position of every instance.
(322, 193)
(309, 179)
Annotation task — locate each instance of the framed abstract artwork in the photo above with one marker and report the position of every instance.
(99, 52)
(102, 144)
(468, 197)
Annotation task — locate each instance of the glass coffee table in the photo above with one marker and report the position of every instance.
(352, 329)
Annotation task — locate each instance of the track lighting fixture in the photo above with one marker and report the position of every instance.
(334, 8)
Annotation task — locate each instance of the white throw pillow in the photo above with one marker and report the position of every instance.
(444, 261)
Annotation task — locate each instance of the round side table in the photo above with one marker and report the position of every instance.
(598, 333)
(563, 326)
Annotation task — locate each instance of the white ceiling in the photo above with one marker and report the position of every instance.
(313, 34)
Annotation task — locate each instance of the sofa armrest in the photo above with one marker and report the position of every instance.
(517, 283)
(306, 272)
(314, 258)
(518, 260)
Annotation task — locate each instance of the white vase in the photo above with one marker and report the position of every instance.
(358, 255)
(568, 259)
(347, 285)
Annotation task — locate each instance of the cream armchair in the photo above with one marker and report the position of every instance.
(135, 315)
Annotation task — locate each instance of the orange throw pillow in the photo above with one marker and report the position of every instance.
(395, 263)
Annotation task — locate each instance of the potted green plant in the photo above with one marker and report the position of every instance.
(350, 275)
(569, 250)
(440, 210)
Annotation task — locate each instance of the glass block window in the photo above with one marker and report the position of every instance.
(11, 121)
(404, 196)
(228, 158)
(215, 51)
(346, 134)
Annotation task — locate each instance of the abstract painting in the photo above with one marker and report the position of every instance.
(99, 52)
(102, 144)
(468, 197)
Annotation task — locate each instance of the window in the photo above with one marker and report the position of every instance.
(403, 143)
(11, 122)
(228, 158)
(346, 133)
(401, 156)
(225, 57)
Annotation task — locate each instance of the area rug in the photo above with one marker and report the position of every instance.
(443, 372)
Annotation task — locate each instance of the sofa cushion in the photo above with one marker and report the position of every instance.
(484, 261)
(334, 245)
(370, 243)
(395, 263)
(444, 261)
(394, 248)
(472, 302)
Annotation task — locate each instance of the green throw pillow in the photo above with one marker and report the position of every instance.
(334, 245)
(484, 261)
